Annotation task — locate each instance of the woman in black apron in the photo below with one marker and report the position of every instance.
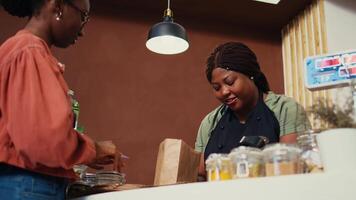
(235, 75)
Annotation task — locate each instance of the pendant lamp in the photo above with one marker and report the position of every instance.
(167, 37)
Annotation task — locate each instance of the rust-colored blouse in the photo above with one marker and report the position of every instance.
(36, 120)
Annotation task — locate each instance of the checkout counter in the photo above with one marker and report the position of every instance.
(319, 186)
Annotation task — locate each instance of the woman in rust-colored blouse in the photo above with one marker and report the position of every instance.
(38, 145)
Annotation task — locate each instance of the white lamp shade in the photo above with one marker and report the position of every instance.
(167, 44)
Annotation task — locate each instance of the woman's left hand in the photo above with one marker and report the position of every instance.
(289, 139)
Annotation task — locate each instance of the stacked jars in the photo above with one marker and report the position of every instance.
(103, 178)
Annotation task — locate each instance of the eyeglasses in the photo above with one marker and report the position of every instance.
(83, 13)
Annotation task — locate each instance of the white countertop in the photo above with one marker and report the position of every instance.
(322, 186)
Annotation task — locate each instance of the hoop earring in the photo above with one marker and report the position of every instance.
(59, 16)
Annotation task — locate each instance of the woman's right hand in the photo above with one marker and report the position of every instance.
(106, 154)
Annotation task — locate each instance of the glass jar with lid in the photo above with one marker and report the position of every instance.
(103, 178)
(310, 155)
(212, 168)
(92, 183)
(112, 178)
(247, 162)
(281, 159)
(218, 167)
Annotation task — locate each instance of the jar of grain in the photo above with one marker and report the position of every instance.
(281, 159)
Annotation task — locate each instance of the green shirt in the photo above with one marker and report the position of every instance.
(291, 116)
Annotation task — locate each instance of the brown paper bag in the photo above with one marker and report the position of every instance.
(177, 162)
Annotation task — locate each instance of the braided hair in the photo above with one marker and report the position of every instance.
(237, 57)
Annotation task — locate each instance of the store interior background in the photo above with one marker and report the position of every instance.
(138, 98)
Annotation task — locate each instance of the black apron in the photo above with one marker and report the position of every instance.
(229, 131)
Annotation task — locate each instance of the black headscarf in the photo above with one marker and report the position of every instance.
(237, 57)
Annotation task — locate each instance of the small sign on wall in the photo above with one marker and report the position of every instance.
(331, 70)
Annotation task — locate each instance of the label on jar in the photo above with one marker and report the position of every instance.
(242, 170)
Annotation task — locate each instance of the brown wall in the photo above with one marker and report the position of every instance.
(138, 98)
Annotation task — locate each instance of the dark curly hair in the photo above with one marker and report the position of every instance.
(238, 57)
